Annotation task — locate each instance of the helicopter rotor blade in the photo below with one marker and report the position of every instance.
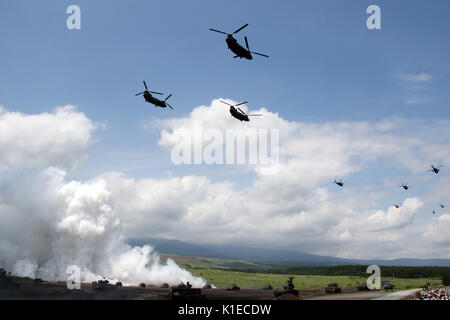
(226, 103)
(260, 54)
(240, 28)
(240, 104)
(242, 111)
(156, 92)
(169, 106)
(218, 31)
(138, 94)
(246, 43)
(168, 97)
(145, 85)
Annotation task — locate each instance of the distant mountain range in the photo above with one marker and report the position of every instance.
(276, 258)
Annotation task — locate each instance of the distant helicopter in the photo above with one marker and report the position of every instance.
(340, 183)
(238, 113)
(435, 169)
(235, 47)
(396, 206)
(434, 212)
(404, 186)
(441, 205)
(151, 99)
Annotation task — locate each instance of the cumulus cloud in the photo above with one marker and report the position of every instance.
(59, 138)
(84, 222)
(292, 208)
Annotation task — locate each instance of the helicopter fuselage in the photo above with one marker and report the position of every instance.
(238, 115)
(151, 99)
(236, 48)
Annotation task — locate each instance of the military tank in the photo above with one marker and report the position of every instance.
(103, 285)
(233, 287)
(288, 288)
(333, 288)
(184, 292)
(207, 286)
(6, 280)
(363, 287)
(268, 287)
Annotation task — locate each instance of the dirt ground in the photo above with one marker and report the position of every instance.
(29, 290)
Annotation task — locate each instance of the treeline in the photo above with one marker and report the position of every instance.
(360, 271)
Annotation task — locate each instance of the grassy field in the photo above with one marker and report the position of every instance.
(208, 269)
(221, 278)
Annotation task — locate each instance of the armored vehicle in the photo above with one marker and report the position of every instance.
(333, 288)
(234, 287)
(103, 285)
(186, 292)
(288, 288)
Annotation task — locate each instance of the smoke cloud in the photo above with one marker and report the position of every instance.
(49, 223)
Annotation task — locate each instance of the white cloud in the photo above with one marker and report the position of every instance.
(46, 139)
(292, 208)
(298, 208)
(416, 77)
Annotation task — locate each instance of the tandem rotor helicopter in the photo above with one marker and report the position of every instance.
(151, 99)
(404, 185)
(435, 169)
(236, 48)
(238, 113)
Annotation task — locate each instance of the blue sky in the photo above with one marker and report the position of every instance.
(324, 66)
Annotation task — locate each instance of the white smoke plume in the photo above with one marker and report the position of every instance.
(48, 223)
(52, 224)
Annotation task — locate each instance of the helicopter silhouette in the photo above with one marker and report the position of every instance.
(238, 113)
(396, 206)
(340, 183)
(441, 205)
(435, 169)
(434, 212)
(151, 99)
(236, 48)
(405, 186)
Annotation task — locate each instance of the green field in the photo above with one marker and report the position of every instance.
(222, 278)
(247, 274)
